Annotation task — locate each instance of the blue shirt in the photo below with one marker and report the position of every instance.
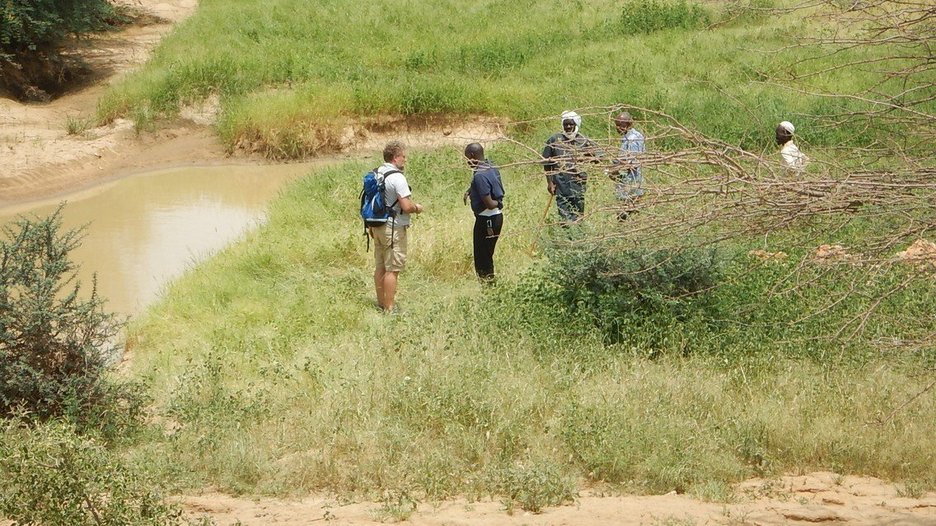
(631, 143)
(630, 179)
(486, 181)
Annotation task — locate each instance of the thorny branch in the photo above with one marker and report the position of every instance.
(702, 191)
(895, 37)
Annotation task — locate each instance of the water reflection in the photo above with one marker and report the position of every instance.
(144, 231)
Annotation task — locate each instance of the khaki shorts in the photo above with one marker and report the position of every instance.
(391, 259)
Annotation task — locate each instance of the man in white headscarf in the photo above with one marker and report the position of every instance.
(561, 157)
(792, 157)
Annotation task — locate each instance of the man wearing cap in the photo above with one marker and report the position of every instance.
(793, 158)
(626, 169)
(561, 157)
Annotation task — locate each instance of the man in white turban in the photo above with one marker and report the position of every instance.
(561, 157)
(793, 158)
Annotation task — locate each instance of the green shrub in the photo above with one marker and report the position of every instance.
(616, 290)
(749, 12)
(653, 15)
(535, 486)
(54, 345)
(52, 476)
(29, 25)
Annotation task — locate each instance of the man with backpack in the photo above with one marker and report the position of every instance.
(487, 200)
(390, 237)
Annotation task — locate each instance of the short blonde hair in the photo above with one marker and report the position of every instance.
(392, 150)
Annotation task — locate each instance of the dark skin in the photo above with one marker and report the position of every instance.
(568, 126)
(783, 135)
(622, 123)
(474, 153)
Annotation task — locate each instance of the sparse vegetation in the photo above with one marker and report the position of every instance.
(75, 125)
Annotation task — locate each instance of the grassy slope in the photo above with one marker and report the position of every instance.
(291, 72)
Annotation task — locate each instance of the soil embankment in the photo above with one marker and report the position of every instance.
(41, 159)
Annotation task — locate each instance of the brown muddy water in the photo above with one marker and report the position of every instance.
(145, 230)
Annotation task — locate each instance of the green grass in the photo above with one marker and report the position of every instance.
(273, 372)
(290, 73)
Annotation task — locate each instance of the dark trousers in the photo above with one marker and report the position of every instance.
(570, 196)
(487, 230)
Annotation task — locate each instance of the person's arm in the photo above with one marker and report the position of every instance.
(549, 167)
(592, 151)
(489, 203)
(471, 185)
(408, 206)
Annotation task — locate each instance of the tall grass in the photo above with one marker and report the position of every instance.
(273, 372)
(317, 64)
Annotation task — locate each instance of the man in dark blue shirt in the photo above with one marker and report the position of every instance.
(565, 179)
(487, 200)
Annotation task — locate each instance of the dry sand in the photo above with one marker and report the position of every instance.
(40, 160)
(806, 499)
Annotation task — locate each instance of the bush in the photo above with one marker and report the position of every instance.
(32, 66)
(535, 486)
(31, 25)
(54, 346)
(52, 476)
(654, 15)
(615, 290)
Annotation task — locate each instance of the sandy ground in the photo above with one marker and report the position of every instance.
(39, 160)
(807, 499)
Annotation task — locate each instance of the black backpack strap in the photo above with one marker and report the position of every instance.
(388, 174)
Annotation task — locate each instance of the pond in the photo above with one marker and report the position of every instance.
(145, 230)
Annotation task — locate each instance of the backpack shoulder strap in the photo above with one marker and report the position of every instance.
(389, 173)
(385, 176)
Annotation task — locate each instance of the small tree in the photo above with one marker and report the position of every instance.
(53, 344)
